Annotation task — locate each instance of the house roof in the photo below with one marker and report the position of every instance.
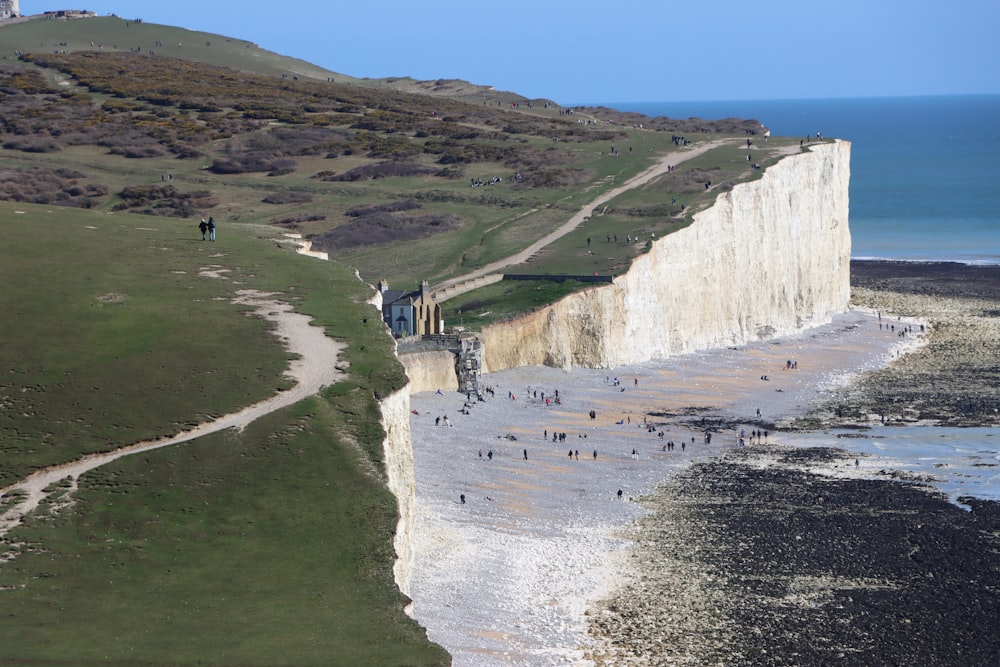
(390, 296)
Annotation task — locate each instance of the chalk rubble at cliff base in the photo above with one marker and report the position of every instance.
(508, 576)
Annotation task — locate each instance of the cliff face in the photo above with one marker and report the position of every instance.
(429, 371)
(772, 256)
(399, 469)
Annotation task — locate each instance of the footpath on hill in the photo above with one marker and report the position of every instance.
(662, 166)
(314, 369)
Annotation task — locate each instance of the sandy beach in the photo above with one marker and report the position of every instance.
(515, 573)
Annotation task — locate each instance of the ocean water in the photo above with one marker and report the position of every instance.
(957, 462)
(925, 186)
(925, 171)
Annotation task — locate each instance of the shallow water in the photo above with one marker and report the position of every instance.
(957, 461)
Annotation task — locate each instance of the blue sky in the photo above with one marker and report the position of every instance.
(589, 51)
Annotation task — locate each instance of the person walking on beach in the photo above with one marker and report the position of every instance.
(203, 226)
(211, 228)
(526, 455)
(619, 494)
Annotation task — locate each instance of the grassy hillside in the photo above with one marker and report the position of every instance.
(376, 172)
(268, 547)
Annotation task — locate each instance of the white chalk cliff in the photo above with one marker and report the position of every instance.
(398, 451)
(770, 257)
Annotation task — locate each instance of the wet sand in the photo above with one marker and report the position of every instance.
(513, 575)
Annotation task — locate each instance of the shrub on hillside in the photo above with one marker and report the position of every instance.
(32, 144)
(382, 170)
(382, 147)
(306, 140)
(282, 166)
(287, 197)
(384, 227)
(245, 163)
(553, 178)
(39, 185)
(294, 220)
(148, 150)
(165, 200)
(453, 152)
(394, 207)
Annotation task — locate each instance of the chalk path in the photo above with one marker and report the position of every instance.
(314, 369)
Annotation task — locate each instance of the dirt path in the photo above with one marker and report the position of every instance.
(314, 369)
(657, 170)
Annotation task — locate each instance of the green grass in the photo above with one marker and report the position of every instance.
(268, 547)
(271, 548)
(111, 336)
(113, 34)
(505, 300)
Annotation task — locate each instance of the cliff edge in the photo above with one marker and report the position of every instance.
(770, 257)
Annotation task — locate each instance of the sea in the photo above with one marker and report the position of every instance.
(925, 186)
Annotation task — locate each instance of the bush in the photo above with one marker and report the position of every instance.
(383, 170)
(39, 185)
(292, 220)
(32, 145)
(287, 197)
(250, 162)
(137, 151)
(164, 200)
(394, 207)
(384, 227)
(282, 166)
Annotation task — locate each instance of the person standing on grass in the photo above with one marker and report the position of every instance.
(203, 226)
(211, 228)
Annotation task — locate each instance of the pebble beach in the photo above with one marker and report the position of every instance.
(518, 553)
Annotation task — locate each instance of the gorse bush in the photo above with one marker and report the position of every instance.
(383, 170)
(40, 185)
(165, 200)
(381, 227)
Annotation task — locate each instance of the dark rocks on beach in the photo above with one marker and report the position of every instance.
(940, 279)
(751, 560)
(955, 379)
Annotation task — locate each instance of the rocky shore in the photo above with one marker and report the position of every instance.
(955, 378)
(766, 556)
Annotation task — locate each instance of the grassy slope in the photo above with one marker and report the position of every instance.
(118, 34)
(264, 548)
(495, 221)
